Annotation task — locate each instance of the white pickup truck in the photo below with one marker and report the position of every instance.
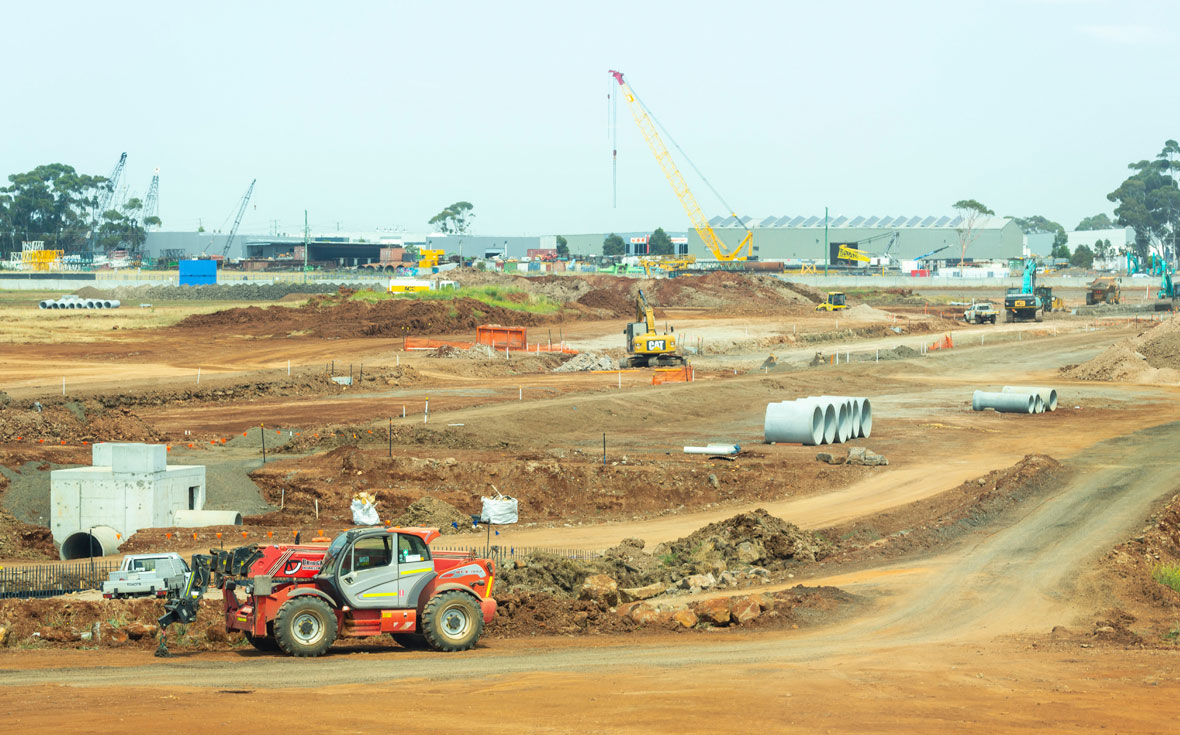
(143, 575)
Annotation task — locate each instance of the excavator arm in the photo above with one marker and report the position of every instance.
(644, 313)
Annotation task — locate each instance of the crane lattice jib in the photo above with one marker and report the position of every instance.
(238, 220)
(648, 129)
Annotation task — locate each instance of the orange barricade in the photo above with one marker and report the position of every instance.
(684, 374)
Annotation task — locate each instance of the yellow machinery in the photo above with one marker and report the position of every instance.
(645, 345)
(847, 253)
(699, 222)
(835, 301)
(667, 263)
(430, 258)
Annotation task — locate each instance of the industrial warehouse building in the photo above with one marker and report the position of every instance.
(906, 238)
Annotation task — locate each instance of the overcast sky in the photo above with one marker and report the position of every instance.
(377, 115)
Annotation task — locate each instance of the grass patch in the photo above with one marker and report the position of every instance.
(1167, 575)
(501, 296)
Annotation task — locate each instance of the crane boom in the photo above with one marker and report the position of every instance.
(104, 203)
(238, 220)
(151, 201)
(699, 222)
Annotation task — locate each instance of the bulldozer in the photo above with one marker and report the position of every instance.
(645, 346)
(834, 301)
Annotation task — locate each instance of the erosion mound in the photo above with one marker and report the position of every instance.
(1151, 357)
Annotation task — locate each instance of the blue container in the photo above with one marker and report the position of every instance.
(198, 272)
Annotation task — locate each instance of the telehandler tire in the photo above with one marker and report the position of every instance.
(305, 627)
(452, 621)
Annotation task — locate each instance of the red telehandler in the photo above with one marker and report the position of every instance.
(298, 598)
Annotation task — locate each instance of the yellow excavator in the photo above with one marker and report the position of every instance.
(645, 346)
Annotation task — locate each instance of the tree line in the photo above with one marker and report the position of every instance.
(59, 206)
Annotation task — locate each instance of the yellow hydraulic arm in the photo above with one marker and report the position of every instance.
(847, 253)
(687, 200)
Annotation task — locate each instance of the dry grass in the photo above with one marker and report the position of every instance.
(21, 322)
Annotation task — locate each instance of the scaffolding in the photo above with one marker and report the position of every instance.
(34, 257)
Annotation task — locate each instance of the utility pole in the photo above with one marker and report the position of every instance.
(827, 245)
(305, 244)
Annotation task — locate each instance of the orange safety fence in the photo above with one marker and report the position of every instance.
(685, 374)
(423, 343)
(946, 343)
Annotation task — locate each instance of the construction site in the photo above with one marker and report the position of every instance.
(849, 474)
(964, 560)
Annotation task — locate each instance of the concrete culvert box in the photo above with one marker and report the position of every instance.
(128, 487)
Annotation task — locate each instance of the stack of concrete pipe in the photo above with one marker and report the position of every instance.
(818, 420)
(73, 302)
(1016, 399)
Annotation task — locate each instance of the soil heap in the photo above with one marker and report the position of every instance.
(1151, 357)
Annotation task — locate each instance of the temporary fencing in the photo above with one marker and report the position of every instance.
(50, 580)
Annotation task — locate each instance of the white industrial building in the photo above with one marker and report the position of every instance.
(127, 487)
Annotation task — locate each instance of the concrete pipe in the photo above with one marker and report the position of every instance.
(199, 518)
(46, 304)
(829, 414)
(1003, 402)
(792, 422)
(89, 304)
(113, 304)
(866, 418)
(843, 421)
(1048, 395)
(1038, 404)
(88, 542)
(856, 409)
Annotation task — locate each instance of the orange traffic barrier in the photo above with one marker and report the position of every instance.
(684, 374)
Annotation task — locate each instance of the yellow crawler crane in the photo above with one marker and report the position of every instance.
(716, 246)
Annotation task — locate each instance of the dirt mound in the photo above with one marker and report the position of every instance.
(754, 538)
(616, 303)
(866, 313)
(72, 422)
(450, 352)
(20, 540)
(431, 512)
(328, 318)
(90, 292)
(1151, 357)
(586, 361)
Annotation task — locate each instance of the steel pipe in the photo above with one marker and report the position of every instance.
(1048, 395)
(1004, 402)
(722, 449)
(793, 422)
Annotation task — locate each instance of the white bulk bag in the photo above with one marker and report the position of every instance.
(364, 509)
(499, 510)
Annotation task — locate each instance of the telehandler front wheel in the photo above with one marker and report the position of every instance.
(452, 621)
(305, 627)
